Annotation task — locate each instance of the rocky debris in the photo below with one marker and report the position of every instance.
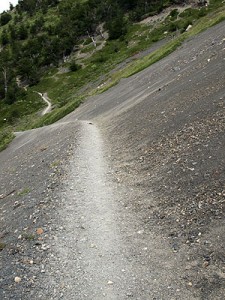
(174, 160)
(25, 213)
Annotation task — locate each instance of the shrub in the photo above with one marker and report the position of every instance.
(5, 18)
(74, 67)
(100, 59)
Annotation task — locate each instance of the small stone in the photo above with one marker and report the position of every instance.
(205, 264)
(110, 282)
(44, 247)
(40, 231)
(17, 279)
(190, 283)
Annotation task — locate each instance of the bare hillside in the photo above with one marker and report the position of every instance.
(123, 198)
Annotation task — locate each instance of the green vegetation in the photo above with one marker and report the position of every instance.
(23, 192)
(139, 65)
(28, 236)
(2, 246)
(41, 53)
(57, 114)
(6, 136)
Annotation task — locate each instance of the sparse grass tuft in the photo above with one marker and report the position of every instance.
(23, 192)
(28, 236)
(6, 136)
(2, 246)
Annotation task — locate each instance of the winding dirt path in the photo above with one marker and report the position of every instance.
(47, 101)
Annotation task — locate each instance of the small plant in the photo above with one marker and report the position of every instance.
(2, 246)
(6, 136)
(28, 236)
(55, 163)
(23, 192)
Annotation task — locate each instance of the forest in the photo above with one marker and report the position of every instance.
(38, 34)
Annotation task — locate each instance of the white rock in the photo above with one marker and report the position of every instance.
(17, 279)
(189, 27)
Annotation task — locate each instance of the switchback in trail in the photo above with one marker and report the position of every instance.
(47, 101)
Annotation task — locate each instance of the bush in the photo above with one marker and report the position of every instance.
(100, 59)
(5, 18)
(74, 67)
(174, 13)
(117, 27)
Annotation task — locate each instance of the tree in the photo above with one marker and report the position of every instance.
(5, 68)
(4, 37)
(117, 27)
(22, 32)
(11, 7)
(5, 18)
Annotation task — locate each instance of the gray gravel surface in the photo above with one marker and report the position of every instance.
(123, 198)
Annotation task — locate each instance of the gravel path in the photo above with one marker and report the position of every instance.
(124, 198)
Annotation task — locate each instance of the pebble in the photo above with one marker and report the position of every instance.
(40, 231)
(17, 279)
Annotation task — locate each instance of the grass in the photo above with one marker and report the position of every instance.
(23, 192)
(6, 136)
(57, 114)
(63, 87)
(140, 64)
(55, 164)
(11, 115)
(28, 236)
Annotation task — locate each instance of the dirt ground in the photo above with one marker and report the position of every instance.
(123, 198)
